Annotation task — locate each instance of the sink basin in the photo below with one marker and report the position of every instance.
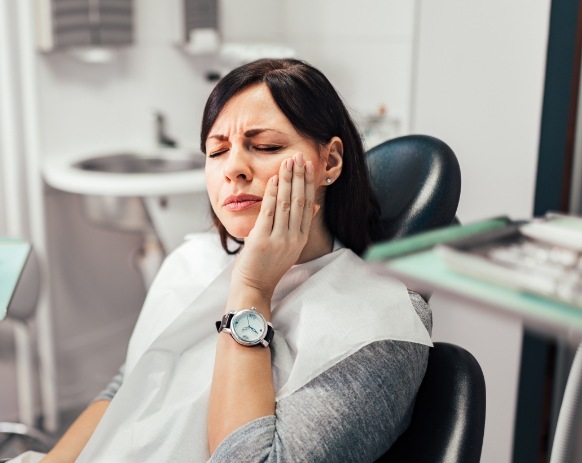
(132, 163)
(118, 189)
(127, 172)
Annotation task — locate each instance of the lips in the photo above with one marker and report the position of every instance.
(241, 202)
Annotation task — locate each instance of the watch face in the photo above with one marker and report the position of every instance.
(248, 327)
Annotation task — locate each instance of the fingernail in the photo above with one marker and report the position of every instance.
(299, 159)
(309, 167)
(275, 180)
(316, 208)
(289, 165)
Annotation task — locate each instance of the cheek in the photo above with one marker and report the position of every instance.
(319, 173)
(319, 178)
(268, 173)
(212, 181)
(265, 170)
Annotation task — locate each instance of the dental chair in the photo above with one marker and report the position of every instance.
(417, 181)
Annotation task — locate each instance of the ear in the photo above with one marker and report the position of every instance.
(334, 153)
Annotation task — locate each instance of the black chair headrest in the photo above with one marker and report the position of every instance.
(417, 181)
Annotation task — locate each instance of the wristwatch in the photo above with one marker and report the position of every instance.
(247, 326)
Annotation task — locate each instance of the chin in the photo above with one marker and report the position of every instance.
(239, 228)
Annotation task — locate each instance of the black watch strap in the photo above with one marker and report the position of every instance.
(224, 322)
(270, 334)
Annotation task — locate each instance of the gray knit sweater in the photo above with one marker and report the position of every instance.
(352, 412)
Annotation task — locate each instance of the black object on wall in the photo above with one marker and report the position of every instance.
(552, 193)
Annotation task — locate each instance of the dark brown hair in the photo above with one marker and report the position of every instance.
(316, 111)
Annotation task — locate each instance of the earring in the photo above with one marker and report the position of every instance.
(328, 180)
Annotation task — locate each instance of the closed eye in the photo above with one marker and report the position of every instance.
(216, 153)
(268, 148)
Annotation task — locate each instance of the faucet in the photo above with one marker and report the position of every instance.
(164, 141)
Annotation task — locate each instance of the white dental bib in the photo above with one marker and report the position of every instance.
(322, 312)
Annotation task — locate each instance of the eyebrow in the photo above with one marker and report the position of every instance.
(248, 134)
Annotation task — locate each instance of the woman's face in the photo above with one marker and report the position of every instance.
(244, 149)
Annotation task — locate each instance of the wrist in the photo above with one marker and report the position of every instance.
(243, 297)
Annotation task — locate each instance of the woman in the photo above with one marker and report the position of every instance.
(318, 358)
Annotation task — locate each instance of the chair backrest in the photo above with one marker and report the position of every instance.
(448, 421)
(417, 181)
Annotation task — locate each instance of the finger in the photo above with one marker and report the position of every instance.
(297, 194)
(316, 208)
(281, 222)
(264, 223)
(310, 208)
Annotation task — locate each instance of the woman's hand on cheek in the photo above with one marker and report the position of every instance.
(282, 228)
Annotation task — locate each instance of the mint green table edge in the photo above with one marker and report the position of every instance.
(428, 268)
(13, 256)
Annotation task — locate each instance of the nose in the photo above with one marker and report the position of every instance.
(237, 166)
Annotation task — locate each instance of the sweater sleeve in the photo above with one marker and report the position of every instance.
(352, 412)
(109, 392)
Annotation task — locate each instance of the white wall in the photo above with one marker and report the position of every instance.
(364, 47)
(104, 106)
(479, 87)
